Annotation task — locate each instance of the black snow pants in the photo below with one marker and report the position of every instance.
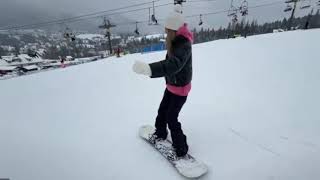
(168, 113)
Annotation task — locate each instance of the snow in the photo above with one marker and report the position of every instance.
(89, 36)
(253, 114)
(191, 170)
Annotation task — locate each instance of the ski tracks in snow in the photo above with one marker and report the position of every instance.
(303, 143)
(245, 138)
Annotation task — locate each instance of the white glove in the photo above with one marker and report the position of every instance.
(142, 68)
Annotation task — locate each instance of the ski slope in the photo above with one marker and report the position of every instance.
(253, 114)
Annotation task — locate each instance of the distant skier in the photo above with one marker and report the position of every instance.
(62, 60)
(118, 52)
(177, 70)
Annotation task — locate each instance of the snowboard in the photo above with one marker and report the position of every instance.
(187, 166)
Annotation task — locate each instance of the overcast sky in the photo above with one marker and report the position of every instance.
(47, 9)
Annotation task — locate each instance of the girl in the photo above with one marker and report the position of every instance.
(177, 70)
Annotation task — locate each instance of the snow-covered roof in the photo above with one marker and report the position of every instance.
(7, 68)
(115, 37)
(49, 60)
(59, 63)
(93, 36)
(3, 62)
(155, 36)
(30, 67)
(89, 36)
(25, 60)
(7, 58)
(52, 64)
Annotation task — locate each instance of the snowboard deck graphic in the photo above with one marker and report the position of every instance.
(187, 166)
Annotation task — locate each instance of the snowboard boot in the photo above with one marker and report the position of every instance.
(158, 136)
(180, 145)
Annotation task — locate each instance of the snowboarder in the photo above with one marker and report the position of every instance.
(177, 70)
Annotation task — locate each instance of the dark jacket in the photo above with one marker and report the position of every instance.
(177, 69)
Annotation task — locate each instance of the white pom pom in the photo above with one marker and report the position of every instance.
(178, 8)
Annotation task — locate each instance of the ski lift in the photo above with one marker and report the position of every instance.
(108, 31)
(107, 26)
(137, 30)
(289, 1)
(235, 19)
(288, 8)
(73, 37)
(201, 22)
(179, 1)
(153, 17)
(306, 5)
(232, 11)
(68, 34)
(150, 23)
(153, 20)
(244, 8)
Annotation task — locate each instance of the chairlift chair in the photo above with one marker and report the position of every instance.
(66, 33)
(232, 11)
(150, 21)
(244, 8)
(235, 18)
(288, 8)
(289, 1)
(153, 16)
(137, 30)
(306, 5)
(179, 1)
(69, 35)
(201, 22)
(72, 37)
(244, 11)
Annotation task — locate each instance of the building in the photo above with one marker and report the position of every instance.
(7, 69)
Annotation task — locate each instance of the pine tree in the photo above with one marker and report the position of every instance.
(2, 52)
